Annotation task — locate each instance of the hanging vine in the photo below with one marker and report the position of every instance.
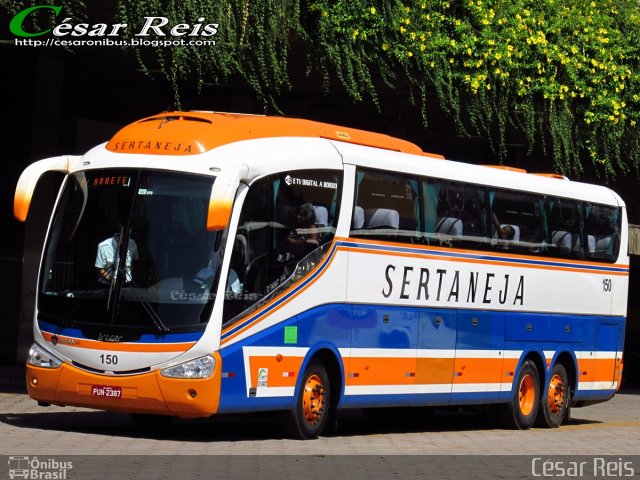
(252, 41)
(564, 75)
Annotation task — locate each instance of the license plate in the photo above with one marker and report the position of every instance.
(106, 391)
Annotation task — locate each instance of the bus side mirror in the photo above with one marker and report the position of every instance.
(29, 179)
(222, 195)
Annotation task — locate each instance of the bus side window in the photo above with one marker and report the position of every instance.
(565, 227)
(284, 218)
(602, 232)
(518, 223)
(455, 214)
(387, 207)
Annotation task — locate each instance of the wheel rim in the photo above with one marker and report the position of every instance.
(556, 395)
(527, 394)
(313, 400)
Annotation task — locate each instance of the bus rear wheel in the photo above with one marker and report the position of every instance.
(520, 413)
(311, 410)
(555, 399)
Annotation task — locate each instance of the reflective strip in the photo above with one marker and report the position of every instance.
(426, 353)
(597, 385)
(598, 355)
(275, 391)
(416, 389)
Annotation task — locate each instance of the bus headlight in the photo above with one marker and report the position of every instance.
(38, 357)
(198, 368)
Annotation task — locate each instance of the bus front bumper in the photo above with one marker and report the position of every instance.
(150, 392)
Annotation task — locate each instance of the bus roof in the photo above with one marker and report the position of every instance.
(187, 133)
(197, 132)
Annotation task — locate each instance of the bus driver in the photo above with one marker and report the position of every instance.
(107, 258)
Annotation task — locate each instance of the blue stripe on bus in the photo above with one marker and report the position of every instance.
(343, 326)
(145, 338)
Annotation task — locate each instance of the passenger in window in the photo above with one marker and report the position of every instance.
(504, 232)
(305, 231)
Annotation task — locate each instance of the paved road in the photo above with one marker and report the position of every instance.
(611, 428)
(447, 445)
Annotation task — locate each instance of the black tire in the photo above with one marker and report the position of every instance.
(311, 410)
(520, 413)
(554, 400)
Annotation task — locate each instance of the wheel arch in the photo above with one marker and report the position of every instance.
(329, 356)
(539, 361)
(568, 360)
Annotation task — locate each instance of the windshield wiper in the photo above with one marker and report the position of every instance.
(153, 316)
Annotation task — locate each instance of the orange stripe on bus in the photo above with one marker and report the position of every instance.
(277, 369)
(480, 252)
(433, 370)
(596, 370)
(423, 371)
(381, 371)
(480, 261)
(477, 370)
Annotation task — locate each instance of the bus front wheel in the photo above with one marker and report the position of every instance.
(311, 410)
(520, 412)
(555, 399)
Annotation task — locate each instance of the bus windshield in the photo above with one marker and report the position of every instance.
(129, 253)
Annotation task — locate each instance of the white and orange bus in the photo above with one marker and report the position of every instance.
(206, 263)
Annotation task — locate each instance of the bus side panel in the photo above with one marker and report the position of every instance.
(261, 372)
(599, 371)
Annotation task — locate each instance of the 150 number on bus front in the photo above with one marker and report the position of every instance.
(109, 359)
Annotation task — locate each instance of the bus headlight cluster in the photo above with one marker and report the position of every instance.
(198, 368)
(38, 357)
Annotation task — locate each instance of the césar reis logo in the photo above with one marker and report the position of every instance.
(64, 26)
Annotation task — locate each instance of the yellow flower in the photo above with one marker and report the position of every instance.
(385, 47)
(373, 10)
(409, 54)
